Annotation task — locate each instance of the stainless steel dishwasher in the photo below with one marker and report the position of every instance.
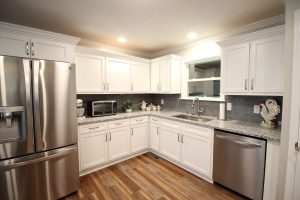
(239, 163)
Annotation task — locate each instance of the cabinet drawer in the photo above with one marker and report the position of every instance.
(90, 128)
(201, 131)
(118, 123)
(171, 124)
(139, 120)
(155, 120)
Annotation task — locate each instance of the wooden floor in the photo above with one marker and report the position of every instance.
(147, 177)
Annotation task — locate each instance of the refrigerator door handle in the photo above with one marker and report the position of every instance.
(36, 104)
(32, 160)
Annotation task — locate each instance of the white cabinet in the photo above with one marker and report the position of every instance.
(266, 65)
(196, 152)
(154, 137)
(235, 64)
(119, 142)
(93, 149)
(165, 74)
(140, 77)
(33, 43)
(90, 77)
(139, 137)
(117, 75)
(254, 66)
(170, 144)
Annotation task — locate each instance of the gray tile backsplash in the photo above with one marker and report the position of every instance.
(242, 106)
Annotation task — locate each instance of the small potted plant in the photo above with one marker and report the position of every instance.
(128, 106)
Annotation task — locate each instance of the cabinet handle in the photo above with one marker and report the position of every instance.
(32, 48)
(182, 138)
(297, 148)
(160, 86)
(103, 86)
(109, 136)
(246, 83)
(178, 137)
(92, 128)
(27, 48)
(252, 84)
(106, 137)
(154, 120)
(117, 123)
(157, 87)
(139, 120)
(107, 88)
(131, 86)
(131, 131)
(157, 130)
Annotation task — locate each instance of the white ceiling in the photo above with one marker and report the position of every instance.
(148, 25)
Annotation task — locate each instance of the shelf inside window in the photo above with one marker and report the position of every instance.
(205, 79)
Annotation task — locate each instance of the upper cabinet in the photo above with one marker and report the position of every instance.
(252, 64)
(99, 74)
(165, 74)
(90, 73)
(32, 43)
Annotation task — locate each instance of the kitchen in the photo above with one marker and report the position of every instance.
(206, 109)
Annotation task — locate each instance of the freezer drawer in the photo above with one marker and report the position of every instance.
(48, 176)
(239, 163)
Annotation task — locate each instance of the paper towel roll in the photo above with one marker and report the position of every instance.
(222, 111)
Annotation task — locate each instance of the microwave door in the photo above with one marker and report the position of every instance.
(16, 123)
(54, 100)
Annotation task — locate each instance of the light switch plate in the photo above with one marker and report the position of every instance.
(229, 106)
(256, 109)
(162, 101)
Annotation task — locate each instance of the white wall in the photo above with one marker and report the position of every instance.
(290, 7)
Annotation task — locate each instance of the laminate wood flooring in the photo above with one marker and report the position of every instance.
(147, 177)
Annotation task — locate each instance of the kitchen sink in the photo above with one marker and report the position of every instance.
(194, 118)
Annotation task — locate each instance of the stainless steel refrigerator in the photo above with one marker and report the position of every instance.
(38, 129)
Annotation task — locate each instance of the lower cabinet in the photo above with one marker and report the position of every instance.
(139, 137)
(170, 143)
(154, 137)
(119, 142)
(196, 151)
(93, 149)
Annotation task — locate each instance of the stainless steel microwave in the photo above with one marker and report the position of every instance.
(101, 108)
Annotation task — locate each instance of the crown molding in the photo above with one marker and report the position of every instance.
(33, 32)
(112, 49)
(256, 26)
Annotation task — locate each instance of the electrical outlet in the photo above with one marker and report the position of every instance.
(162, 101)
(256, 109)
(229, 106)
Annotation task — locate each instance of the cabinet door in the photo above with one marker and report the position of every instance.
(267, 65)
(14, 45)
(50, 50)
(139, 137)
(170, 144)
(117, 75)
(92, 149)
(165, 76)
(196, 152)
(154, 137)
(140, 77)
(155, 77)
(235, 65)
(175, 75)
(118, 143)
(89, 74)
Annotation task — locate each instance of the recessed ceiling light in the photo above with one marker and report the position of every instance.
(122, 39)
(192, 35)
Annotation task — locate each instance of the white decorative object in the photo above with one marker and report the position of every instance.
(148, 108)
(154, 108)
(269, 111)
(222, 111)
(158, 108)
(128, 110)
(143, 106)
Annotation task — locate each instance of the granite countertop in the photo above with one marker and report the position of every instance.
(244, 128)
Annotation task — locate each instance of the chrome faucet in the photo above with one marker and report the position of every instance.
(199, 110)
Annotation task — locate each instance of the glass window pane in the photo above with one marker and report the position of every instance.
(204, 89)
(205, 70)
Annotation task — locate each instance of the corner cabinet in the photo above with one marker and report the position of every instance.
(252, 64)
(165, 74)
(27, 42)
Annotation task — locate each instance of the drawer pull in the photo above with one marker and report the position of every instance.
(155, 120)
(178, 137)
(92, 128)
(139, 120)
(157, 130)
(117, 124)
(106, 137)
(182, 138)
